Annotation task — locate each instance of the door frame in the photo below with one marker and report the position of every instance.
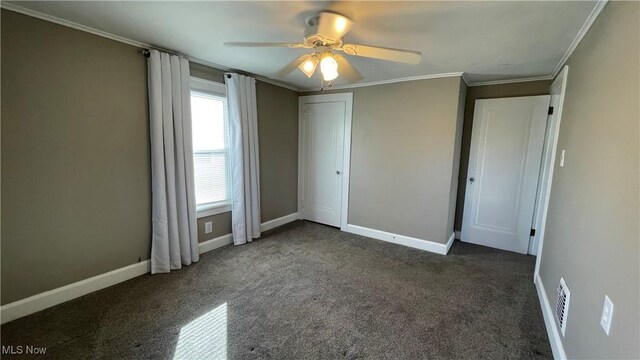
(549, 166)
(548, 161)
(470, 198)
(347, 98)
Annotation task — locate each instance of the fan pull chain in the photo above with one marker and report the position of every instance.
(329, 85)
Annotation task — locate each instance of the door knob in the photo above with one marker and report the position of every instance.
(472, 179)
(338, 172)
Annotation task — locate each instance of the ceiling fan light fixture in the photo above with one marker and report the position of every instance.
(308, 66)
(330, 76)
(328, 67)
(323, 36)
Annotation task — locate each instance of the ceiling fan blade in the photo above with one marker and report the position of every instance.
(333, 26)
(264, 44)
(398, 55)
(293, 65)
(346, 70)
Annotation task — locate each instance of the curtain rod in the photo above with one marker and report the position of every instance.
(147, 53)
(227, 74)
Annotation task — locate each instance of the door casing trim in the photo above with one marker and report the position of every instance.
(347, 98)
(560, 81)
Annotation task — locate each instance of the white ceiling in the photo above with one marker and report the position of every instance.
(488, 40)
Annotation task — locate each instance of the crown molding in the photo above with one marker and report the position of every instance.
(465, 77)
(391, 81)
(511, 81)
(71, 24)
(124, 40)
(277, 83)
(600, 4)
(597, 9)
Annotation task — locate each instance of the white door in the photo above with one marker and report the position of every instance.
(322, 156)
(504, 166)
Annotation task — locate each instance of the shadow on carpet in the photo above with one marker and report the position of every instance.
(305, 291)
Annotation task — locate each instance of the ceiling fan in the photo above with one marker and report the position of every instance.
(323, 37)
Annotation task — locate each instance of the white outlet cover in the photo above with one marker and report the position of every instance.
(607, 315)
(208, 227)
(562, 158)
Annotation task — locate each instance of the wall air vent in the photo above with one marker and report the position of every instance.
(562, 305)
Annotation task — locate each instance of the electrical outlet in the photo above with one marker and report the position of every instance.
(607, 315)
(208, 227)
(562, 158)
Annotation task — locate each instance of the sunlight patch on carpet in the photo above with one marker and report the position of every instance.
(204, 337)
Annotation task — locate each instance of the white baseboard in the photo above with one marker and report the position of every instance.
(268, 225)
(458, 233)
(421, 244)
(450, 242)
(57, 296)
(549, 321)
(213, 244)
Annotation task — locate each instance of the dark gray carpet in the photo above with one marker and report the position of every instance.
(306, 291)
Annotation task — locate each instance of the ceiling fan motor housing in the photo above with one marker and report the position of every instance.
(313, 38)
(323, 37)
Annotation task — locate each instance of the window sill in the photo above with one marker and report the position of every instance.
(214, 209)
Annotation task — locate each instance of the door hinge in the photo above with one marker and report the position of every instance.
(550, 110)
(532, 232)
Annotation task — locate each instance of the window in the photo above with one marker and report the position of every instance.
(210, 127)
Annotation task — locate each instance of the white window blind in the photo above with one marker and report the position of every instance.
(210, 148)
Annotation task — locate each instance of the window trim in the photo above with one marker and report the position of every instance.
(217, 89)
(208, 86)
(215, 208)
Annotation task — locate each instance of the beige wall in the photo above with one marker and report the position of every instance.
(403, 148)
(455, 173)
(592, 231)
(278, 136)
(75, 155)
(206, 72)
(221, 225)
(278, 144)
(529, 88)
